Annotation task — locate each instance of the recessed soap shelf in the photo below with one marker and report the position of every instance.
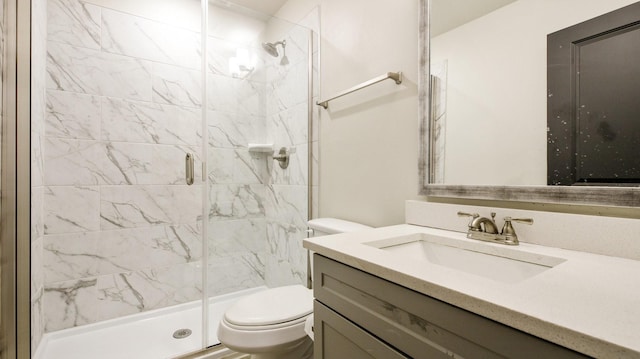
(282, 156)
(261, 147)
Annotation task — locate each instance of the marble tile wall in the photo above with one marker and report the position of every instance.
(121, 231)
(38, 109)
(236, 177)
(258, 210)
(287, 126)
(312, 22)
(122, 107)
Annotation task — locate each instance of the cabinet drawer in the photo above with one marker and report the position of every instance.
(337, 338)
(418, 325)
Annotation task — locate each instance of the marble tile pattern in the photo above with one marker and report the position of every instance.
(314, 19)
(237, 179)
(120, 231)
(38, 116)
(258, 213)
(287, 116)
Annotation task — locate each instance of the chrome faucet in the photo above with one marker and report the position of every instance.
(483, 224)
(485, 229)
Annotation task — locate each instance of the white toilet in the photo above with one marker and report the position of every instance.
(270, 324)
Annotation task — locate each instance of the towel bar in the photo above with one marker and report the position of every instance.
(396, 76)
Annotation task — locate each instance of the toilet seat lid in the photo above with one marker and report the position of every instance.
(272, 306)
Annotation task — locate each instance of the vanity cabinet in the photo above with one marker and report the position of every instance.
(358, 315)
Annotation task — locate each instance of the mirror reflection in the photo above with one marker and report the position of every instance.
(489, 86)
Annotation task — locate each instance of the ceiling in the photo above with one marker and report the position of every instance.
(268, 7)
(449, 14)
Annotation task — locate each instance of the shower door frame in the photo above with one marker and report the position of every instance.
(16, 183)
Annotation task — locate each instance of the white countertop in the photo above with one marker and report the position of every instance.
(589, 303)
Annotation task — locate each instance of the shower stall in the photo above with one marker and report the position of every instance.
(154, 198)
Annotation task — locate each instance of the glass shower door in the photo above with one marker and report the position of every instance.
(257, 103)
(123, 248)
(117, 98)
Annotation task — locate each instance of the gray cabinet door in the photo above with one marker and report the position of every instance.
(418, 325)
(338, 338)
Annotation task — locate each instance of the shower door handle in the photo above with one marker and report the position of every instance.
(188, 162)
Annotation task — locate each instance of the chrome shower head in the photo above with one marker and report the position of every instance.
(270, 48)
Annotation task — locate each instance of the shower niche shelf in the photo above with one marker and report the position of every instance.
(261, 147)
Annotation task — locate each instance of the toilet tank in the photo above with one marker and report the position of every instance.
(326, 226)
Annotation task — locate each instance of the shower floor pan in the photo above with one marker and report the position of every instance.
(147, 335)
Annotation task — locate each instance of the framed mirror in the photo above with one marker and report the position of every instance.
(486, 133)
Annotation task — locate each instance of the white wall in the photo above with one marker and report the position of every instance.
(497, 90)
(368, 140)
(369, 155)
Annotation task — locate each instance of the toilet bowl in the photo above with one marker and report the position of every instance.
(271, 324)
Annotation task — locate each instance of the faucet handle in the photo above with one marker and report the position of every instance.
(472, 215)
(510, 232)
(464, 214)
(520, 220)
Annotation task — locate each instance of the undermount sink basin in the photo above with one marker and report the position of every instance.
(501, 264)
